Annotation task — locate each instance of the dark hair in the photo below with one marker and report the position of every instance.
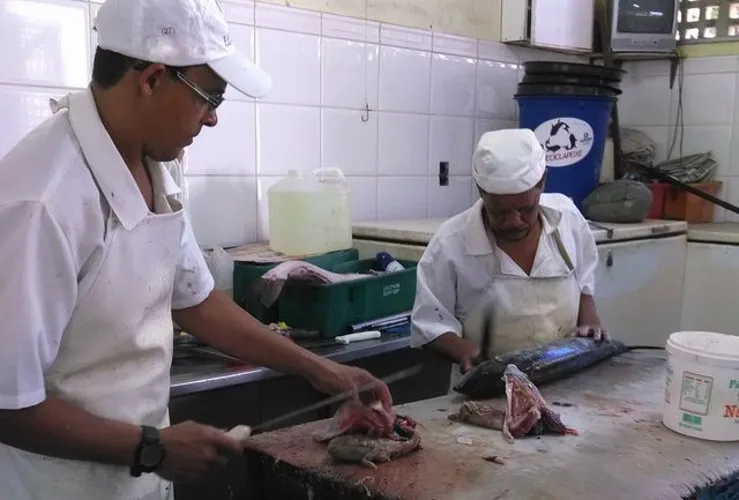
(108, 67)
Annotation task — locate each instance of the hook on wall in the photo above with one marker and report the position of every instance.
(365, 115)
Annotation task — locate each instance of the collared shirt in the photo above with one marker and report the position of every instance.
(54, 204)
(459, 264)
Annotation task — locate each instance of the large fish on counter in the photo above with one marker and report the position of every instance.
(542, 364)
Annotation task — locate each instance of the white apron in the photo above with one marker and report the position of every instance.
(115, 357)
(526, 310)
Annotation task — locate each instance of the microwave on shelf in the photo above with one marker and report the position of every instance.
(644, 25)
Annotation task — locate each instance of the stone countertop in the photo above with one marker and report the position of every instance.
(622, 451)
(420, 231)
(721, 232)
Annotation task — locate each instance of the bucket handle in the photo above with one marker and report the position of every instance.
(329, 174)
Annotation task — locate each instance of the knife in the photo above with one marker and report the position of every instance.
(241, 432)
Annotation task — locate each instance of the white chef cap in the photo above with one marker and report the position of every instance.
(509, 161)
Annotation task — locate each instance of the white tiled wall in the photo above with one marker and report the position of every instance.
(430, 96)
(710, 111)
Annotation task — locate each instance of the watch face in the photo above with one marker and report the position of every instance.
(150, 456)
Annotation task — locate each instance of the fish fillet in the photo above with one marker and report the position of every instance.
(273, 281)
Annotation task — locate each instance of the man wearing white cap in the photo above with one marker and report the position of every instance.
(98, 259)
(519, 260)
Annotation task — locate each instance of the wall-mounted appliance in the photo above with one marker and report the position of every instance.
(644, 25)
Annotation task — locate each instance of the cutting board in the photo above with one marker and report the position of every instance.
(623, 450)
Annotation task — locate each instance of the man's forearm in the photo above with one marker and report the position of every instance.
(59, 429)
(222, 324)
(588, 314)
(449, 345)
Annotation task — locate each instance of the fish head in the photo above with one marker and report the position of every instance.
(524, 402)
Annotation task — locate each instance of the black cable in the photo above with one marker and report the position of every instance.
(645, 347)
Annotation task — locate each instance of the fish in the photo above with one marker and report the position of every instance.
(542, 364)
(479, 414)
(527, 412)
(270, 286)
(371, 450)
(354, 417)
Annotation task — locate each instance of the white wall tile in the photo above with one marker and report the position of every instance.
(453, 85)
(405, 80)
(223, 210)
(402, 198)
(229, 148)
(351, 29)
(485, 125)
(350, 74)
(451, 140)
(293, 60)
(243, 39)
(288, 137)
(716, 140)
(240, 13)
(454, 45)
(23, 109)
(496, 86)
(404, 144)
(733, 169)
(496, 51)
(409, 38)
(364, 198)
(47, 42)
(447, 201)
(632, 108)
(349, 143)
(286, 18)
(711, 65)
(707, 99)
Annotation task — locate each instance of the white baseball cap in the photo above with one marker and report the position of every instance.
(509, 161)
(178, 33)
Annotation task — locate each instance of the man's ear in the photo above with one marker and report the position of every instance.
(150, 79)
(543, 181)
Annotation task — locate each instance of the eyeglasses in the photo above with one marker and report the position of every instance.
(500, 215)
(213, 101)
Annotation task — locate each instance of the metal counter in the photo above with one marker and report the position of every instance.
(190, 376)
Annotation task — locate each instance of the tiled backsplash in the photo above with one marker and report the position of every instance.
(430, 97)
(710, 114)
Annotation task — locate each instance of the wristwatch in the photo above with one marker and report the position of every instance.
(149, 453)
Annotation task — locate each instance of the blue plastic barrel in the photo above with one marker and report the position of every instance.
(568, 106)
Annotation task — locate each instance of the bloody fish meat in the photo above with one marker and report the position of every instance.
(368, 434)
(542, 364)
(527, 412)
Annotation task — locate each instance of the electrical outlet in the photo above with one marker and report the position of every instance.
(443, 173)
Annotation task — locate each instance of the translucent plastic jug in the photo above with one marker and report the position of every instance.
(310, 214)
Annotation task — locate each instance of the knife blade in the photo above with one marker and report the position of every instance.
(400, 375)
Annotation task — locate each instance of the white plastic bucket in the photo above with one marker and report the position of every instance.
(702, 385)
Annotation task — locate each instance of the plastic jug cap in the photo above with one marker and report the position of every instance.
(329, 175)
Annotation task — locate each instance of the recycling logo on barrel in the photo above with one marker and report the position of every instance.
(566, 141)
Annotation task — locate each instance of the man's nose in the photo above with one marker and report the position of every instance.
(211, 119)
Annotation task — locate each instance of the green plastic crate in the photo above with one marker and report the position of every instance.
(246, 274)
(333, 308)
